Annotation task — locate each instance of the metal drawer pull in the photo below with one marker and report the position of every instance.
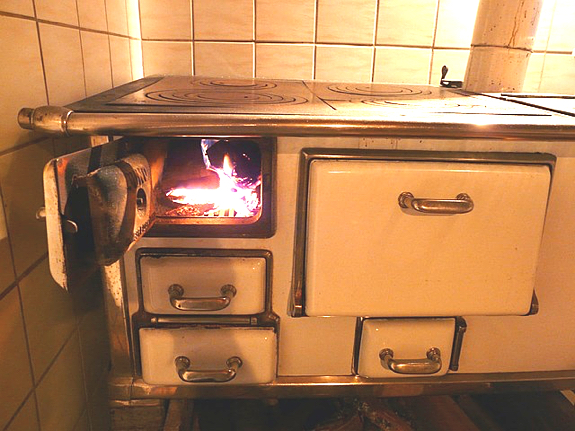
(215, 303)
(460, 205)
(431, 365)
(210, 376)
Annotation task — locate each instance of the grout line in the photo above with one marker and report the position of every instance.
(82, 51)
(62, 24)
(433, 48)
(14, 273)
(57, 355)
(32, 393)
(375, 28)
(193, 47)
(254, 11)
(109, 42)
(41, 54)
(15, 148)
(83, 367)
(315, 19)
(129, 44)
(142, 38)
(546, 46)
(18, 279)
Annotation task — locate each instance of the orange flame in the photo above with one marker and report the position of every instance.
(230, 197)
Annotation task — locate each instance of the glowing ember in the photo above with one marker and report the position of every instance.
(235, 196)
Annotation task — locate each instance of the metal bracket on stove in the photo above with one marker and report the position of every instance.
(449, 84)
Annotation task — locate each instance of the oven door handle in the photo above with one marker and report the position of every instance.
(215, 303)
(431, 365)
(460, 205)
(207, 376)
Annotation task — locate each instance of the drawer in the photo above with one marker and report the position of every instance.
(391, 347)
(203, 284)
(366, 255)
(208, 356)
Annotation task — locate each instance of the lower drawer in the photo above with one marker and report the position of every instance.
(217, 356)
(392, 348)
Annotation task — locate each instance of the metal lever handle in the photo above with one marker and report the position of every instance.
(431, 365)
(210, 376)
(460, 205)
(216, 303)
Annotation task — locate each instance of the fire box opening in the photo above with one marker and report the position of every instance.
(211, 179)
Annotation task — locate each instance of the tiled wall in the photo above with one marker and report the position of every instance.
(54, 353)
(356, 40)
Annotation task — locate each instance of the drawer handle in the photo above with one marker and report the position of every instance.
(209, 376)
(216, 303)
(460, 205)
(431, 365)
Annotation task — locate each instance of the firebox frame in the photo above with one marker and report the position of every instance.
(263, 227)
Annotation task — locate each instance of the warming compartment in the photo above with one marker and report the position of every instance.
(100, 201)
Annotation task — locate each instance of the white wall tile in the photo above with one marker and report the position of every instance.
(166, 19)
(284, 61)
(7, 275)
(224, 59)
(167, 58)
(21, 179)
(99, 408)
(346, 21)
(558, 74)
(402, 65)
(117, 16)
(61, 397)
(136, 59)
(544, 25)
(230, 20)
(406, 22)
(15, 376)
(285, 21)
(343, 63)
(92, 14)
(121, 61)
(26, 419)
(533, 75)
(133, 11)
(455, 22)
(94, 345)
(83, 424)
(63, 11)
(49, 316)
(455, 59)
(21, 7)
(21, 76)
(62, 63)
(562, 36)
(97, 64)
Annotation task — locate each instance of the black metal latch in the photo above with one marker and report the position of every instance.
(449, 84)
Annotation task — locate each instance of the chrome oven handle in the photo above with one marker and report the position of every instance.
(216, 303)
(460, 205)
(431, 365)
(207, 376)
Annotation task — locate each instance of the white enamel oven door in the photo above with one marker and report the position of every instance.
(98, 203)
(400, 238)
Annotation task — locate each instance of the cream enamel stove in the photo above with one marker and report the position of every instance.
(263, 238)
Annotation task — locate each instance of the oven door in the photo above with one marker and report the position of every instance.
(98, 202)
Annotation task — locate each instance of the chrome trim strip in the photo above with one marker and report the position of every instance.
(329, 386)
(187, 124)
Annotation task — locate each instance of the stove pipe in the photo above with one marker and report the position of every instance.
(502, 43)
